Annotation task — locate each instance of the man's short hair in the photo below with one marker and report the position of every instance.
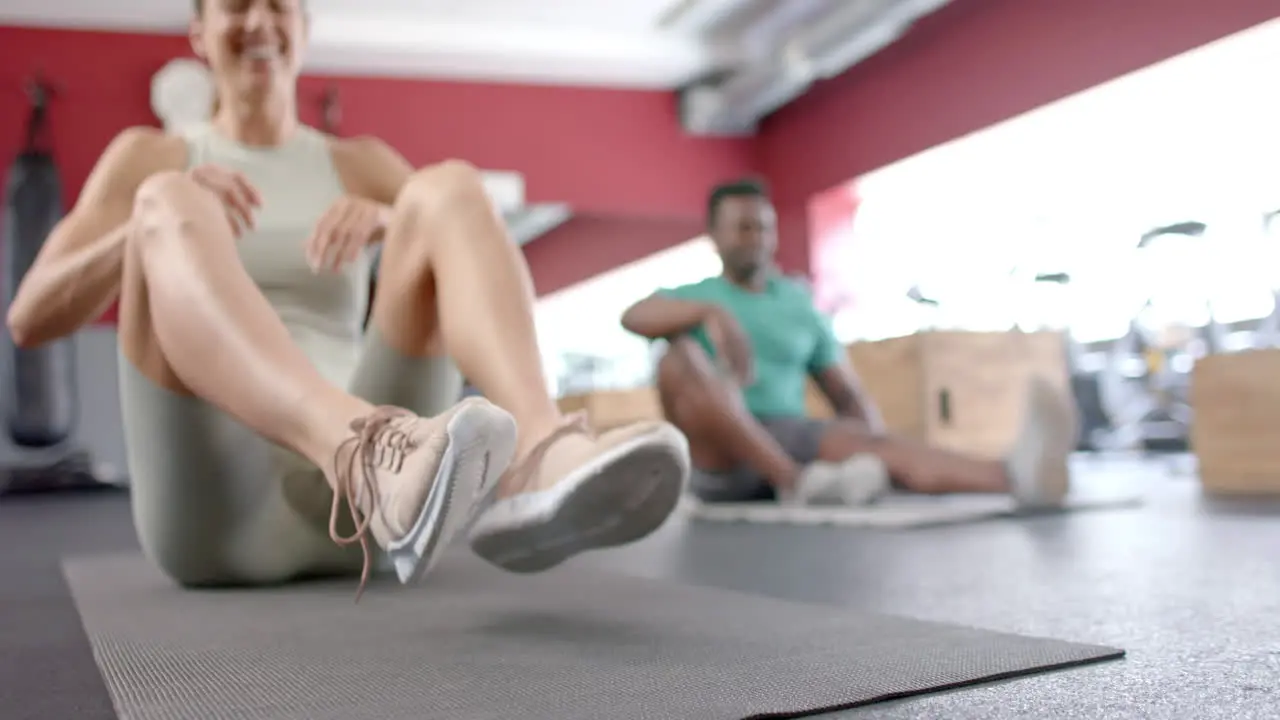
(745, 187)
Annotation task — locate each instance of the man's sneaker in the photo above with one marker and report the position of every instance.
(1038, 465)
(859, 480)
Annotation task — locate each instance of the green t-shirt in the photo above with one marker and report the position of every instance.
(789, 337)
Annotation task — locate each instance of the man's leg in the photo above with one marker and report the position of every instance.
(1035, 470)
(193, 322)
(708, 409)
(736, 452)
(913, 465)
(449, 269)
(723, 434)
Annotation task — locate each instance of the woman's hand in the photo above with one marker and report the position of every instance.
(238, 196)
(349, 226)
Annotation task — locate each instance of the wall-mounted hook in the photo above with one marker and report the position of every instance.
(39, 93)
(39, 90)
(331, 110)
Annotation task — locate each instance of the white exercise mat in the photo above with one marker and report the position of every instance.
(900, 511)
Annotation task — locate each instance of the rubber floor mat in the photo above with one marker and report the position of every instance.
(473, 643)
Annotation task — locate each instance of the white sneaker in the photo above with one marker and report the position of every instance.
(859, 480)
(1038, 464)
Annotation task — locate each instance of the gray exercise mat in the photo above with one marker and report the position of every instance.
(901, 511)
(473, 643)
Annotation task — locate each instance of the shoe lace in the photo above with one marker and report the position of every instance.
(521, 477)
(376, 442)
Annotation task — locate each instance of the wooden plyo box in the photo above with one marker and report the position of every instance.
(609, 409)
(1235, 428)
(961, 390)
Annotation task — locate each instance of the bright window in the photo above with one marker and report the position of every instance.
(583, 343)
(1070, 188)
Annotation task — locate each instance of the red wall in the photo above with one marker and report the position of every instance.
(973, 64)
(617, 156)
(621, 158)
(601, 243)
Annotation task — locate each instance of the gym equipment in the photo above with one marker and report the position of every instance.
(1095, 425)
(1147, 399)
(1042, 307)
(570, 644)
(931, 308)
(1211, 336)
(40, 396)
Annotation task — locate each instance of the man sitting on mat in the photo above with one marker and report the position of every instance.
(253, 402)
(741, 346)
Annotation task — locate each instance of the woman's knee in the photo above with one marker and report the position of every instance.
(165, 183)
(444, 184)
(433, 197)
(164, 191)
(166, 201)
(450, 189)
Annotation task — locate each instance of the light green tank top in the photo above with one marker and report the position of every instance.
(298, 182)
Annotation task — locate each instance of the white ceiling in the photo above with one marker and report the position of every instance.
(615, 43)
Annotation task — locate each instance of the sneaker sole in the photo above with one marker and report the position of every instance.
(481, 444)
(619, 498)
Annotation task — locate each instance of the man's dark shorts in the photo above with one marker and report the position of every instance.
(799, 436)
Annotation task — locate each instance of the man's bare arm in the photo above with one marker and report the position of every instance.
(657, 317)
(77, 273)
(848, 399)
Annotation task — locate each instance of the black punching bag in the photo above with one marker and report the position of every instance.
(40, 395)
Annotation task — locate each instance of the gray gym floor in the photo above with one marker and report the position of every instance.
(1190, 587)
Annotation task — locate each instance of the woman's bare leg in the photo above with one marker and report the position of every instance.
(449, 264)
(449, 267)
(193, 321)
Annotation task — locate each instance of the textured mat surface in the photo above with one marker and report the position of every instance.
(474, 643)
(898, 511)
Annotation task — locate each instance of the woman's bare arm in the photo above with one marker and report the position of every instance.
(370, 169)
(76, 276)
